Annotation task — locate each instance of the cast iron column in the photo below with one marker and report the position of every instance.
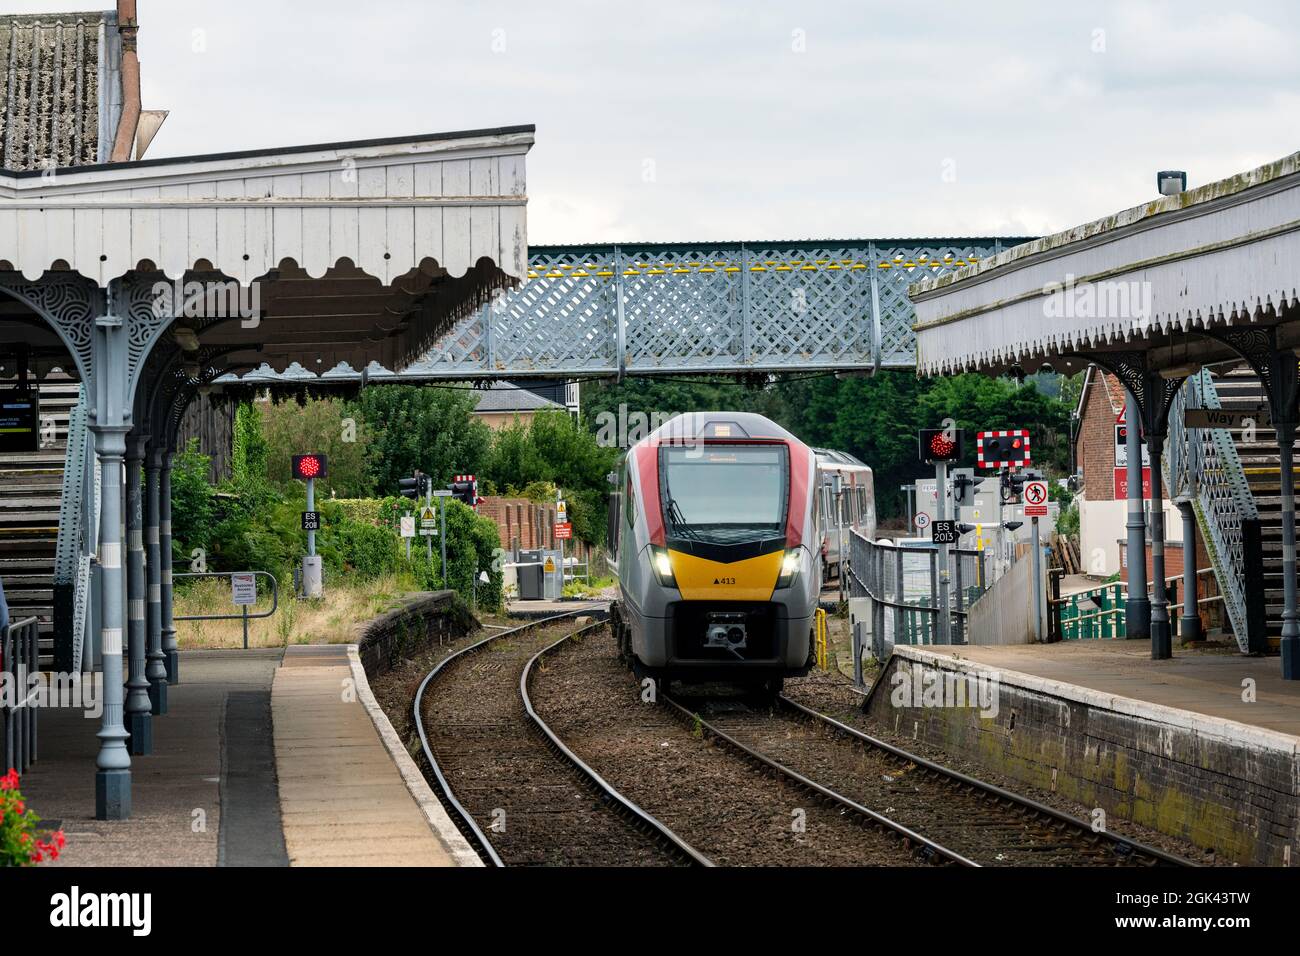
(138, 708)
(1137, 609)
(113, 764)
(1189, 626)
(155, 668)
(170, 657)
(1161, 639)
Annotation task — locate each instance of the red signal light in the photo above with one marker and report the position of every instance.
(309, 466)
(939, 445)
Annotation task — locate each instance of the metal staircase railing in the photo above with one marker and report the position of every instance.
(72, 548)
(1204, 462)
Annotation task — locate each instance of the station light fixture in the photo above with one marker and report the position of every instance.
(309, 466)
(1171, 182)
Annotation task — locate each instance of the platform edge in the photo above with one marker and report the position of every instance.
(434, 813)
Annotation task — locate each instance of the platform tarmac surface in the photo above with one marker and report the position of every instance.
(1202, 681)
(255, 764)
(176, 792)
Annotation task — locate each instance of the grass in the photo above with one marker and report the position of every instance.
(296, 621)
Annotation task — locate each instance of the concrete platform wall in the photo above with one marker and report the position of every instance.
(1220, 784)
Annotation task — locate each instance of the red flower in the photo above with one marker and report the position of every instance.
(10, 780)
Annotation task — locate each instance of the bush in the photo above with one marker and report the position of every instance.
(194, 512)
(368, 550)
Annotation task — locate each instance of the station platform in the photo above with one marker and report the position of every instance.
(1206, 682)
(536, 609)
(1204, 746)
(265, 758)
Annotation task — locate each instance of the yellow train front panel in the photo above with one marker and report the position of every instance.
(751, 579)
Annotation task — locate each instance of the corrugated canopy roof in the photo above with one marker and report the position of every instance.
(50, 82)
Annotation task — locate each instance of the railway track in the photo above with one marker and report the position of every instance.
(517, 793)
(967, 820)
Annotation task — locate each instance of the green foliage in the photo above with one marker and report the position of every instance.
(194, 512)
(873, 417)
(430, 429)
(363, 510)
(326, 426)
(473, 547)
(248, 448)
(1067, 522)
(533, 459)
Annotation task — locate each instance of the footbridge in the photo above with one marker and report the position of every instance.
(682, 308)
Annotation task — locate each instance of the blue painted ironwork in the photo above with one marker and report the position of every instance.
(73, 547)
(1205, 464)
(707, 307)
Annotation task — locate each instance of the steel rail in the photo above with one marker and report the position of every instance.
(921, 847)
(605, 790)
(463, 819)
(1122, 846)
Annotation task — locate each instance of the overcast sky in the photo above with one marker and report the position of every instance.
(754, 120)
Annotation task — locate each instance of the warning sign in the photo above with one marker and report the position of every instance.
(563, 531)
(1035, 499)
(428, 521)
(549, 566)
(408, 526)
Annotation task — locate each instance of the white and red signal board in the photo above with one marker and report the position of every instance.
(1008, 448)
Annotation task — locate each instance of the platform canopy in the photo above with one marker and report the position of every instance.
(346, 252)
(1224, 254)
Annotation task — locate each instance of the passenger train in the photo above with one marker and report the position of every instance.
(716, 542)
(857, 504)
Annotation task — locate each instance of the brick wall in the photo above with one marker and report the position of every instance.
(1096, 439)
(521, 522)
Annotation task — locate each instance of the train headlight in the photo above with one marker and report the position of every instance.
(663, 567)
(789, 568)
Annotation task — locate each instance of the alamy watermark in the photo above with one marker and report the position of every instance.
(1104, 299)
(21, 688)
(920, 686)
(209, 300)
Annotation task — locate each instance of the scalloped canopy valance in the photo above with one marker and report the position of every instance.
(360, 251)
(1146, 278)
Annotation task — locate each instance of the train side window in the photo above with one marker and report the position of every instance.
(615, 517)
(629, 503)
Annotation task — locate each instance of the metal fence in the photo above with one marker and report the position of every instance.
(903, 583)
(19, 659)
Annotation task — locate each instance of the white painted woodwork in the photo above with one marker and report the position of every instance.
(385, 207)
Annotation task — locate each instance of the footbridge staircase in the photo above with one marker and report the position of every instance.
(1234, 479)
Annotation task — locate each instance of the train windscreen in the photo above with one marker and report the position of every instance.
(725, 494)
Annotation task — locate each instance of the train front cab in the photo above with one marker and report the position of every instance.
(731, 592)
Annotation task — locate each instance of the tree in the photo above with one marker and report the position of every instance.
(321, 425)
(556, 450)
(427, 428)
